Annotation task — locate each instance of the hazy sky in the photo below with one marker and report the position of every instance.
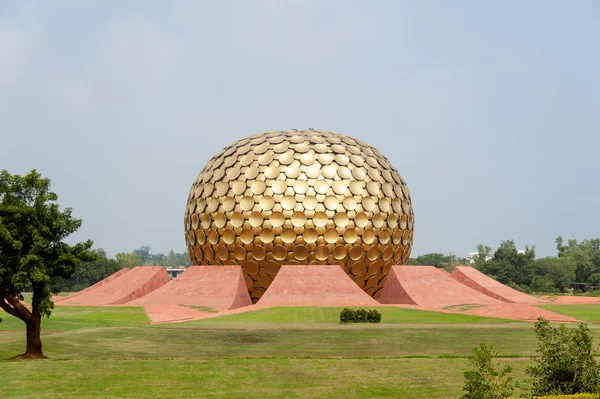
(489, 110)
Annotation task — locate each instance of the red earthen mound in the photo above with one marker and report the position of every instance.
(478, 281)
(121, 287)
(314, 286)
(428, 286)
(216, 287)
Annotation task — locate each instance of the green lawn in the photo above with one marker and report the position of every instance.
(112, 352)
(589, 313)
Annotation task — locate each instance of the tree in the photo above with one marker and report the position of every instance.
(438, 260)
(32, 252)
(561, 271)
(128, 260)
(90, 273)
(585, 255)
(564, 363)
(487, 380)
(144, 253)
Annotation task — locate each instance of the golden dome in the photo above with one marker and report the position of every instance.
(300, 197)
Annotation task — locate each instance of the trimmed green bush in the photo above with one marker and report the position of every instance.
(350, 315)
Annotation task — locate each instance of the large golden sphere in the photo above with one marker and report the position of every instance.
(300, 197)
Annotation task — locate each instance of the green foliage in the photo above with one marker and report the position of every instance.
(438, 260)
(564, 363)
(594, 279)
(32, 251)
(585, 255)
(90, 273)
(542, 284)
(576, 396)
(487, 380)
(350, 315)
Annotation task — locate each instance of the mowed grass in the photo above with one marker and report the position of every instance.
(589, 313)
(112, 352)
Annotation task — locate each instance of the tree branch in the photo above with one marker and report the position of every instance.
(15, 306)
(7, 308)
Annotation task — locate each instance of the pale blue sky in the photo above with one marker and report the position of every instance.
(489, 110)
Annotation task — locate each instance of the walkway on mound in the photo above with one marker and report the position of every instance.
(314, 286)
(215, 287)
(428, 286)
(478, 281)
(572, 300)
(519, 311)
(121, 287)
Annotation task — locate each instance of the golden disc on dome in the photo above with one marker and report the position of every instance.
(331, 236)
(350, 236)
(320, 219)
(292, 171)
(288, 202)
(265, 159)
(279, 252)
(279, 186)
(328, 172)
(313, 172)
(239, 187)
(239, 253)
(220, 220)
(339, 252)
(300, 186)
(258, 187)
(267, 235)
(266, 203)
(247, 203)
(361, 219)
(247, 236)
(301, 252)
(298, 219)
(331, 202)
(341, 219)
(322, 252)
(307, 159)
(288, 235)
(277, 219)
(344, 172)
(339, 187)
(368, 204)
(271, 172)
(349, 203)
(368, 236)
(286, 158)
(256, 219)
(309, 202)
(321, 186)
(310, 236)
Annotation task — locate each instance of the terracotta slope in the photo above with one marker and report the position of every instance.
(91, 287)
(428, 286)
(216, 287)
(126, 287)
(478, 281)
(314, 286)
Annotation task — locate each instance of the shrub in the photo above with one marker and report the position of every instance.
(487, 380)
(576, 396)
(349, 315)
(565, 362)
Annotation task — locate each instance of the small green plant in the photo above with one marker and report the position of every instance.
(487, 380)
(349, 315)
(565, 362)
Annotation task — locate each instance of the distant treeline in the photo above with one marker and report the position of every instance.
(575, 262)
(92, 272)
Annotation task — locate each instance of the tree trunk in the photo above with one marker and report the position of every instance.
(34, 341)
